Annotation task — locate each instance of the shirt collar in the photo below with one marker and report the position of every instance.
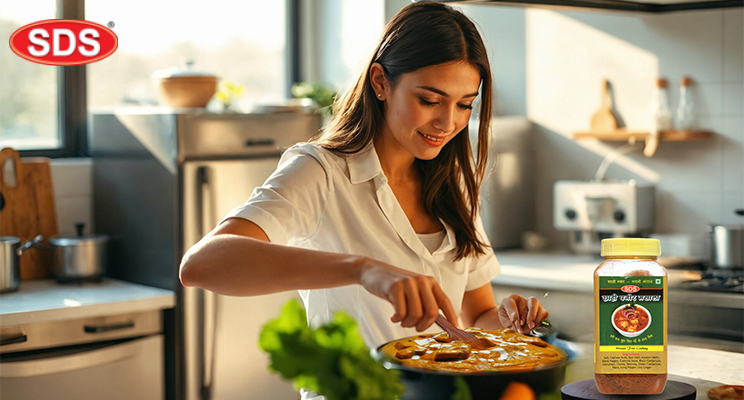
(364, 165)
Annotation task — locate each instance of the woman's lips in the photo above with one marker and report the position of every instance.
(432, 140)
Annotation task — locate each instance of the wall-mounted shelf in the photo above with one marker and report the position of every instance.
(623, 135)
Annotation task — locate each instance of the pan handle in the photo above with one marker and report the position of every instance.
(29, 244)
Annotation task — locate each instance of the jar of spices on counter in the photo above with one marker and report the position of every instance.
(630, 318)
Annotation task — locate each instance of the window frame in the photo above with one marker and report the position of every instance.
(72, 109)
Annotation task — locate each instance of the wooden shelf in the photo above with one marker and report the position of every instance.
(623, 135)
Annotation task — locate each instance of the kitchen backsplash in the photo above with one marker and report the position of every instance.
(72, 181)
(549, 65)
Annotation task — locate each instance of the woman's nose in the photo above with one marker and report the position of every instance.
(445, 120)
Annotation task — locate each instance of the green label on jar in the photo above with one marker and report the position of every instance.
(631, 313)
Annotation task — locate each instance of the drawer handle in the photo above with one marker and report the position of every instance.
(260, 142)
(108, 328)
(19, 339)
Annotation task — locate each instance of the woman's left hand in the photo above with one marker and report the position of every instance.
(521, 314)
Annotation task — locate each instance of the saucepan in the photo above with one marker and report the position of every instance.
(728, 246)
(11, 250)
(79, 258)
(427, 384)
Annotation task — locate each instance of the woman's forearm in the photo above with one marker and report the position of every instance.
(237, 265)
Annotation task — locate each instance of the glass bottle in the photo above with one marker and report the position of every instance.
(630, 318)
(661, 111)
(685, 116)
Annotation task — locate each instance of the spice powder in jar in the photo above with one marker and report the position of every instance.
(630, 318)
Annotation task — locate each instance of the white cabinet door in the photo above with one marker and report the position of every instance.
(127, 370)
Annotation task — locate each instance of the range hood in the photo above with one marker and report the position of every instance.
(650, 6)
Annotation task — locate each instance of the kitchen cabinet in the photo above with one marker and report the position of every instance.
(83, 341)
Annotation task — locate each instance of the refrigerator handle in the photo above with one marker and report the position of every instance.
(208, 301)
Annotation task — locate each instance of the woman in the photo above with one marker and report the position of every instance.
(382, 208)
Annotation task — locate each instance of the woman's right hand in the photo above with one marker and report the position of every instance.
(416, 298)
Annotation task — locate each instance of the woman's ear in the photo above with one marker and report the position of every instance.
(378, 81)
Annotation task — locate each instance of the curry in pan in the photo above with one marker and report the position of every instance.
(511, 351)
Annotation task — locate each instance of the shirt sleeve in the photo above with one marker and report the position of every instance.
(484, 267)
(289, 205)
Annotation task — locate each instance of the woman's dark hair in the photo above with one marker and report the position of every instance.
(421, 35)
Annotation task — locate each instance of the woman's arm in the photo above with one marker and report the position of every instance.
(237, 259)
(479, 309)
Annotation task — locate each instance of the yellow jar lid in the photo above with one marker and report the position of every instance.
(631, 247)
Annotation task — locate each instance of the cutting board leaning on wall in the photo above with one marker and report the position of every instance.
(27, 208)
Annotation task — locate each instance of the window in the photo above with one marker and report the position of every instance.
(43, 109)
(28, 91)
(242, 41)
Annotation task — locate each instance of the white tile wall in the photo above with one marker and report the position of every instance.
(566, 56)
(72, 181)
(733, 99)
(732, 148)
(733, 42)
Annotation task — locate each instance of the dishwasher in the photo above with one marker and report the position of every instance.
(112, 357)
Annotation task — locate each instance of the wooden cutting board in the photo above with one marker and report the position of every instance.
(28, 208)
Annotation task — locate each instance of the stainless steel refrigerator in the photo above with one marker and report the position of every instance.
(162, 178)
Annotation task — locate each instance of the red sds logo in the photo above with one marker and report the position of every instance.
(630, 289)
(63, 42)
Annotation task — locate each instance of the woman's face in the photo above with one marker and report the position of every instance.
(428, 107)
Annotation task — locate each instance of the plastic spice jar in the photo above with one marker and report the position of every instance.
(630, 318)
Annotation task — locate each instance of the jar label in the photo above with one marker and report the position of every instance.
(630, 324)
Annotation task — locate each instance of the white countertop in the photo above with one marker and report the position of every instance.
(702, 368)
(46, 300)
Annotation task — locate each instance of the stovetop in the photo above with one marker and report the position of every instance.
(718, 280)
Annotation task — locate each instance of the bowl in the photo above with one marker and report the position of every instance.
(187, 91)
(630, 334)
(185, 86)
(434, 385)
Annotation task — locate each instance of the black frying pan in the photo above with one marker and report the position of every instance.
(423, 384)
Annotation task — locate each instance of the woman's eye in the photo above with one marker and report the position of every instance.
(428, 103)
(465, 106)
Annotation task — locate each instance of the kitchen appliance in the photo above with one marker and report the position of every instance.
(593, 211)
(507, 192)
(10, 263)
(161, 181)
(112, 357)
(728, 246)
(79, 258)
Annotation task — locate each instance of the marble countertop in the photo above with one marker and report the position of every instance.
(47, 300)
(702, 368)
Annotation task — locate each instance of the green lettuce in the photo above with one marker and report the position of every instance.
(331, 360)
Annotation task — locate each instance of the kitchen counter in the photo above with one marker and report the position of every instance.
(571, 272)
(47, 300)
(702, 368)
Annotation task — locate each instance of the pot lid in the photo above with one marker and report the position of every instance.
(185, 70)
(78, 240)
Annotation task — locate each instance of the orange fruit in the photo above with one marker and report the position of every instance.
(518, 391)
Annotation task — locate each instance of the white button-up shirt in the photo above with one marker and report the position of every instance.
(317, 199)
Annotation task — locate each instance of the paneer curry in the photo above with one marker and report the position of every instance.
(631, 318)
(511, 351)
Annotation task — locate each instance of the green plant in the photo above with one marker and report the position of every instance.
(323, 95)
(331, 360)
(227, 92)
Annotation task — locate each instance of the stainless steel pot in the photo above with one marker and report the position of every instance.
(10, 261)
(79, 258)
(728, 246)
